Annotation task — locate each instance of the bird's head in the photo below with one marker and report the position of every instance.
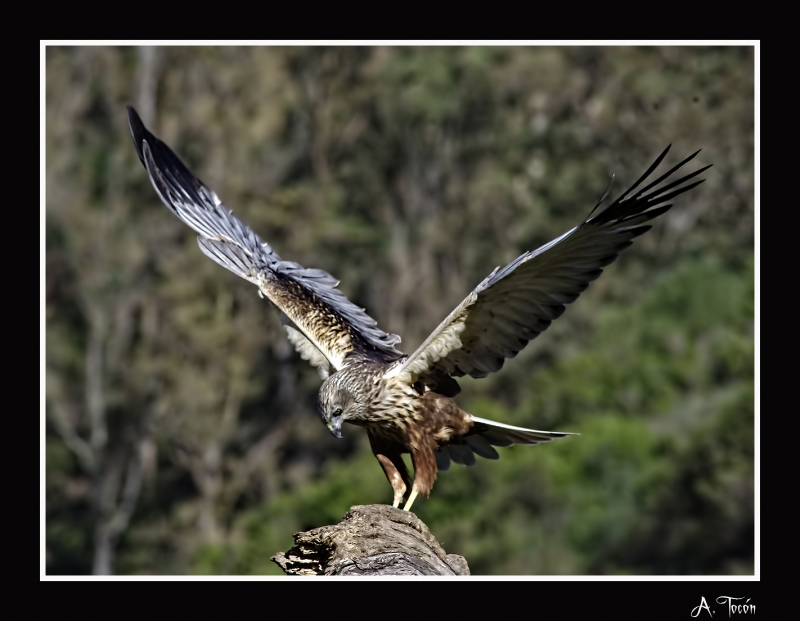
(336, 404)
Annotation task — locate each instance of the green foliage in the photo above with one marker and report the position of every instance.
(408, 173)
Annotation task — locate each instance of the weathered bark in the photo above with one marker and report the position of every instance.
(371, 540)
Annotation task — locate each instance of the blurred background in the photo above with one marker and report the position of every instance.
(181, 428)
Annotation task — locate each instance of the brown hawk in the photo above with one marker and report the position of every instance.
(405, 401)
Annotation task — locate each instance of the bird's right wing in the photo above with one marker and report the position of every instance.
(516, 303)
(322, 324)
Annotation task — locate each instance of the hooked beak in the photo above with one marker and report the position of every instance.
(336, 428)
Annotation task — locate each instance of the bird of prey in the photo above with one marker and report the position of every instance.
(405, 402)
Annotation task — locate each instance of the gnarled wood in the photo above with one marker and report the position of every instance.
(371, 540)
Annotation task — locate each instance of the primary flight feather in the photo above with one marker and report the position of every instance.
(405, 402)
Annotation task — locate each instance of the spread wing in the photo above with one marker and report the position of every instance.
(322, 324)
(516, 303)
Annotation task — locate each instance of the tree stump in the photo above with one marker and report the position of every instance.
(371, 540)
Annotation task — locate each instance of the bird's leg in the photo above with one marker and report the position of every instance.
(412, 497)
(390, 459)
(424, 474)
(395, 478)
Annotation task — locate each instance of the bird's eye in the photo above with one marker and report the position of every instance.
(337, 411)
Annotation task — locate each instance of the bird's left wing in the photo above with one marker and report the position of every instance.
(322, 324)
(515, 304)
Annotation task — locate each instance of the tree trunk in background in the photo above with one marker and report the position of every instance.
(148, 84)
(371, 540)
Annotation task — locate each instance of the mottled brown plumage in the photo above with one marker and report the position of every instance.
(417, 424)
(405, 402)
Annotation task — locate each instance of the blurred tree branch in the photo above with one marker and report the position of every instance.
(149, 61)
(64, 420)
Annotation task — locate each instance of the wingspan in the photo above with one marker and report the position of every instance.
(513, 305)
(322, 324)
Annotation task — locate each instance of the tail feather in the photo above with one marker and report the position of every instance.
(461, 454)
(500, 434)
(442, 459)
(481, 446)
(484, 436)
